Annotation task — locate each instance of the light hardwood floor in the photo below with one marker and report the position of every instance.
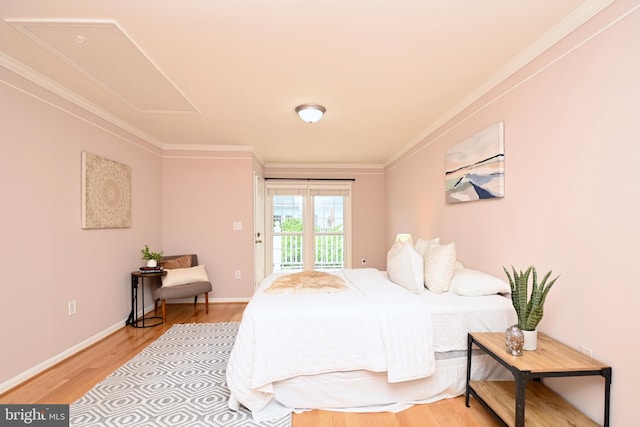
(70, 379)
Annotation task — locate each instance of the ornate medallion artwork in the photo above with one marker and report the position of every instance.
(106, 193)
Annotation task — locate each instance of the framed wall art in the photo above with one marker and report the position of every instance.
(474, 167)
(106, 193)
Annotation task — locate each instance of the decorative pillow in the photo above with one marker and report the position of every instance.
(183, 261)
(439, 266)
(421, 245)
(405, 267)
(313, 282)
(182, 276)
(471, 283)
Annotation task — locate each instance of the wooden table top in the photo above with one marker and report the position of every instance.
(141, 274)
(550, 356)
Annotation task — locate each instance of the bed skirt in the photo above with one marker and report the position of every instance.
(366, 391)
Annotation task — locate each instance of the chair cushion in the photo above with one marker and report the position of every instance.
(182, 291)
(181, 261)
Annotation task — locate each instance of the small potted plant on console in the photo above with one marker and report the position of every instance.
(152, 258)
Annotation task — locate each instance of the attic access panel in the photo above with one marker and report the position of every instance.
(107, 55)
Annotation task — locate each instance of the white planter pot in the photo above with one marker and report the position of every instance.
(152, 263)
(530, 340)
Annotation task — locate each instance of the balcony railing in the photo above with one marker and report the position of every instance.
(329, 252)
(288, 252)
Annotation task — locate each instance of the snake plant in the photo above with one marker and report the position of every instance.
(529, 311)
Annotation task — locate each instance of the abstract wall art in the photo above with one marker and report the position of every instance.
(474, 167)
(106, 193)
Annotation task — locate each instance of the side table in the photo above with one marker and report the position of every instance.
(506, 400)
(137, 281)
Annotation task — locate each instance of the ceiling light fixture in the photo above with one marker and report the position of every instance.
(310, 113)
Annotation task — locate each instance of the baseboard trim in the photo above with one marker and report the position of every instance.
(43, 366)
(40, 367)
(229, 300)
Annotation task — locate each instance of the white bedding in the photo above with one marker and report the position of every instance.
(453, 316)
(372, 326)
(375, 326)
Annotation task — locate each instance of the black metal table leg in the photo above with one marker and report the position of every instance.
(606, 373)
(133, 315)
(466, 393)
(521, 380)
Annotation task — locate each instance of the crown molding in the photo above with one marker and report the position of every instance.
(323, 166)
(582, 14)
(46, 83)
(569, 24)
(206, 147)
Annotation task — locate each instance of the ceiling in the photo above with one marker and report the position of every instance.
(231, 72)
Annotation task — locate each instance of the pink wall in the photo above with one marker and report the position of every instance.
(571, 151)
(204, 193)
(47, 259)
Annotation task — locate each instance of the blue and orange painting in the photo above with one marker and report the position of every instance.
(474, 167)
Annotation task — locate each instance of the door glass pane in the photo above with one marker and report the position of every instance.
(287, 233)
(328, 232)
(328, 213)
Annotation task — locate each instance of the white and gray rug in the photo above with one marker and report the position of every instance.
(178, 380)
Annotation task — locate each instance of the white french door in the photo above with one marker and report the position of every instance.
(258, 229)
(308, 226)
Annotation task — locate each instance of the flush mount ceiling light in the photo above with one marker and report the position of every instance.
(310, 113)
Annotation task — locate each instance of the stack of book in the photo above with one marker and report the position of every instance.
(157, 269)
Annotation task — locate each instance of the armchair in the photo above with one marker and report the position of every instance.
(196, 282)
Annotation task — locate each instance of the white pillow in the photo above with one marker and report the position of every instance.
(421, 245)
(439, 265)
(471, 283)
(182, 276)
(405, 267)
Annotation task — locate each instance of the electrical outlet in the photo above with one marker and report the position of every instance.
(237, 225)
(238, 274)
(587, 351)
(72, 307)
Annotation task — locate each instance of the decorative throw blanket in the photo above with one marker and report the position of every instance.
(307, 282)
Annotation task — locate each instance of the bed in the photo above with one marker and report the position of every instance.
(372, 346)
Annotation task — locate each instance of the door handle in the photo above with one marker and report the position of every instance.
(258, 241)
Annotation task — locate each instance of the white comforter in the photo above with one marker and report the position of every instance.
(374, 326)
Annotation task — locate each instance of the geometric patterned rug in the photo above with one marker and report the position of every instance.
(178, 380)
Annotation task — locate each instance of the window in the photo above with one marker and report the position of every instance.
(310, 227)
